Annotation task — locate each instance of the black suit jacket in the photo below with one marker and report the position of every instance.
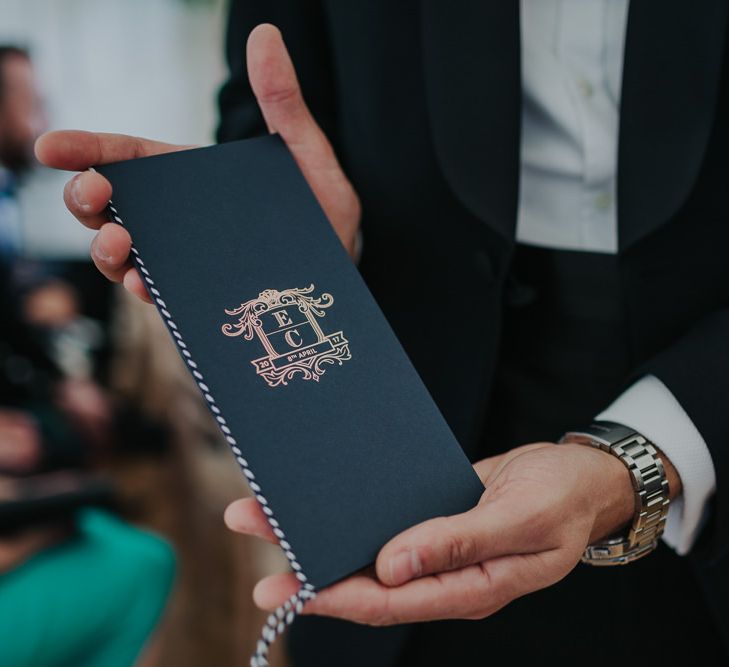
(422, 103)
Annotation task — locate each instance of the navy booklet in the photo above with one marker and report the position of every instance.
(336, 433)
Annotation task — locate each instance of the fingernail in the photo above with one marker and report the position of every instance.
(100, 252)
(404, 567)
(77, 194)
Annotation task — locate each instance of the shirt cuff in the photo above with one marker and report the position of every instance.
(651, 409)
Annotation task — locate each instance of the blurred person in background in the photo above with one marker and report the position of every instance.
(21, 121)
(48, 300)
(78, 585)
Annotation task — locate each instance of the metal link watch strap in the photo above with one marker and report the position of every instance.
(651, 488)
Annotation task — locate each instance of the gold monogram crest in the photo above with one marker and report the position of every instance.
(286, 324)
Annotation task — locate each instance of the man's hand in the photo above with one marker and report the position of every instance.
(279, 97)
(543, 505)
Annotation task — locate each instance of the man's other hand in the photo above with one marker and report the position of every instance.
(543, 504)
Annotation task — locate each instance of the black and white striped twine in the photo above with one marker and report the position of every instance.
(285, 614)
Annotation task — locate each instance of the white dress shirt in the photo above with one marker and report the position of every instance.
(572, 64)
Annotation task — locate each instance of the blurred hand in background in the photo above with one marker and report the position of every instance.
(20, 445)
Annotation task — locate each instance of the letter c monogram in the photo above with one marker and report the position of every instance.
(290, 339)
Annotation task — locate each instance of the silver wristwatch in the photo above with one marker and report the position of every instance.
(651, 492)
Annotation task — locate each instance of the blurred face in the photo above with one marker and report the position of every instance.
(21, 115)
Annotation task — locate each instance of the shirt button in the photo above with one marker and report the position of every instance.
(603, 201)
(585, 88)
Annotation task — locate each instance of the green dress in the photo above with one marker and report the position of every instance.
(92, 601)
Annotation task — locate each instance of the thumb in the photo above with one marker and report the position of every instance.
(489, 530)
(274, 83)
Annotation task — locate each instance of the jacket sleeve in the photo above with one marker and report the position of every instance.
(305, 32)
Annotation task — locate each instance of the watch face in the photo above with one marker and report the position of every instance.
(611, 432)
(583, 439)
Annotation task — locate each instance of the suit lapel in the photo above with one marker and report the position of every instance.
(471, 56)
(673, 58)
